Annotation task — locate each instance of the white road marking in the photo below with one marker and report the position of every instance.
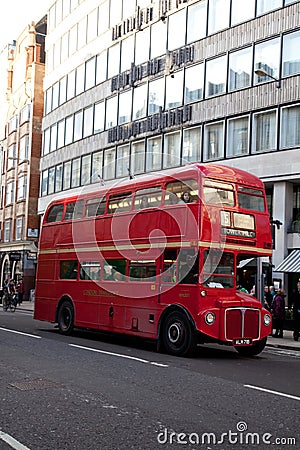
(269, 391)
(20, 332)
(12, 442)
(120, 355)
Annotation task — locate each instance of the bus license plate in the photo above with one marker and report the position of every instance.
(242, 341)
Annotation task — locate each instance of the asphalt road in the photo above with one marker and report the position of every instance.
(93, 391)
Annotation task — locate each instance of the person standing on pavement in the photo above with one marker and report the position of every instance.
(278, 310)
(295, 304)
(20, 291)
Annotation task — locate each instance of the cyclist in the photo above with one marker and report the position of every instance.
(11, 291)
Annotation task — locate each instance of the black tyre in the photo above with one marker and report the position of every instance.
(178, 337)
(66, 317)
(12, 306)
(255, 349)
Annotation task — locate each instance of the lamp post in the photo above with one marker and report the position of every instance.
(263, 73)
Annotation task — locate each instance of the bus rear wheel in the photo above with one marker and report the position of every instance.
(66, 317)
(177, 334)
(255, 349)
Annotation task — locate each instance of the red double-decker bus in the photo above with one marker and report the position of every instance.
(156, 257)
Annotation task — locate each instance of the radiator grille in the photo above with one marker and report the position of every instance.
(242, 323)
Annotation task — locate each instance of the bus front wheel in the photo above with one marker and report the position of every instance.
(177, 334)
(255, 349)
(66, 317)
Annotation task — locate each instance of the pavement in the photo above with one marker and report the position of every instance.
(286, 342)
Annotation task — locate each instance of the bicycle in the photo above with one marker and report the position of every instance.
(9, 301)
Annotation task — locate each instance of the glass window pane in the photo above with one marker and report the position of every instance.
(174, 90)
(240, 68)
(194, 79)
(75, 181)
(196, 28)
(61, 134)
(81, 40)
(80, 79)
(172, 146)
(111, 112)
(153, 155)
(103, 17)
(139, 102)
(64, 47)
(51, 180)
(238, 136)
(92, 21)
(113, 61)
(99, 117)
(156, 95)
(142, 46)
(53, 138)
(264, 132)
(90, 73)
(122, 161)
(86, 170)
(242, 11)
(158, 39)
(115, 13)
(176, 32)
(55, 95)
(44, 183)
(46, 141)
(291, 54)
(125, 105)
(191, 145)
(48, 101)
(67, 175)
(58, 178)
(109, 164)
(78, 125)
(69, 130)
(290, 127)
(127, 53)
(71, 85)
(62, 90)
(267, 58)
(213, 141)
(215, 76)
(137, 164)
(101, 67)
(97, 163)
(73, 40)
(267, 5)
(88, 121)
(218, 15)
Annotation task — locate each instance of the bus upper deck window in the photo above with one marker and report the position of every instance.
(218, 193)
(95, 207)
(55, 213)
(119, 202)
(74, 210)
(148, 198)
(252, 199)
(183, 191)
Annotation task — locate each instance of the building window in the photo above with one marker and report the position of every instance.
(242, 11)
(24, 148)
(11, 156)
(53, 137)
(153, 154)
(69, 130)
(213, 141)
(156, 95)
(264, 6)
(109, 164)
(71, 85)
(61, 134)
(7, 230)
(10, 193)
(81, 35)
(90, 73)
(48, 101)
(101, 67)
(103, 17)
(216, 76)
(172, 146)
(290, 127)
(13, 123)
(113, 60)
(78, 117)
(115, 13)
(75, 180)
(191, 145)
(174, 90)
(193, 89)
(137, 165)
(19, 228)
(22, 188)
(139, 102)
(79, 86)
(86, 170)
(73, 40)
(122, 161)
(111, 112)
(55, 95)
(51, 180)
(67, 175)
(240, 68)
(158, 39)
(99, 117)
(125, 106)
(290, 54)
(44, 183)
(267, 59)
(92, 21)
(142, 46)
(25, 113)
(238, 136)
(46, 142)
(58, 178)
(97, 163)
(62, 90)
(196, 25)
(127, 54)
(264, 131)
(176, 32)
(218, 15)
(88, 121)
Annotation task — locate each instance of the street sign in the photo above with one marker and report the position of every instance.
(13, 256)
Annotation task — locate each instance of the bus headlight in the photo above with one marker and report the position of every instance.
(267, 319)
(209, 318)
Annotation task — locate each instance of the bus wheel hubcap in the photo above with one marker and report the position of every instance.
(175, 333)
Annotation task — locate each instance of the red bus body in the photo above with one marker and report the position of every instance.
(164, 271)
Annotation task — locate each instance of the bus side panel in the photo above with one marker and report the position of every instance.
(45, 295)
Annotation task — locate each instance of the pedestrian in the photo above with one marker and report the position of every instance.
(295, 305)
(272, 292)
(268, 298)
(278, 311)
(20, 291)
(186, 197)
